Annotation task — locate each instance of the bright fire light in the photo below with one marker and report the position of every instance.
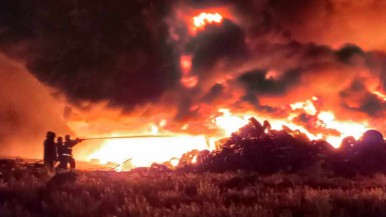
(308, 106)
(204, 19)
(380, 95)
(345, 128)
(145, 151)
(230, 123)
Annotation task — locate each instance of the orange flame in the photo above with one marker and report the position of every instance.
(380, 95)
(187, 79)
(230, 123)
(145, 151)
(206, 18)
(203, 19)
(324, 122)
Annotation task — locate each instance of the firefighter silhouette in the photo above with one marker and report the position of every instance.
(50, 155)
(60, 149)
(65, 153)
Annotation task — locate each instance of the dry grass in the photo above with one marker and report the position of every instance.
(180, 194)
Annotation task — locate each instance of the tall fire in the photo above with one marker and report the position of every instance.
(221, 120)
(186, 76)
(192, 108)
(145, 151)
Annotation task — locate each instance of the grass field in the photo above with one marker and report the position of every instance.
(146, 193)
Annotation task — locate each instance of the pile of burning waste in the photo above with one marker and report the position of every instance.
(257, 147)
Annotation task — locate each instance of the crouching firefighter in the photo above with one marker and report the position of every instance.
(65, 153)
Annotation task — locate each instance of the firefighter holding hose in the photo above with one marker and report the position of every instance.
(49, 151)
(65, 153)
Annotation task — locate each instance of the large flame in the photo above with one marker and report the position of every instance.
(323, 124)
(145, 151)
(305, 116)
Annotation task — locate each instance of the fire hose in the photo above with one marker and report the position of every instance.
(129, 137)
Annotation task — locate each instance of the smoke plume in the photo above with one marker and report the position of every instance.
(122, 60)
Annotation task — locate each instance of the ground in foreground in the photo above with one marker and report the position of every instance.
(154, 193)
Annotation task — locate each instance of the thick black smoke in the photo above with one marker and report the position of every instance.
(265, 38)
(94, 50)
(215, 92)
(216, 43)
(122, 52)
(358, 98)
(257, 82)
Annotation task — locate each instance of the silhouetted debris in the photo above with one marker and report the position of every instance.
(125, 165)
(256, 147)
(188, 157)
(14, 169)
(112, 164)
(7, 164)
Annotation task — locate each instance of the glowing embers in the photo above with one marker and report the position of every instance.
(204, 19)
(187, 80)
(145, 151)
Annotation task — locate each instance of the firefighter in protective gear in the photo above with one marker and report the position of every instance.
(61, 158)
(66, 153)
(50, 156)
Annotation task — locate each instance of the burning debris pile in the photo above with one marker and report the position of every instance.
(257, 147)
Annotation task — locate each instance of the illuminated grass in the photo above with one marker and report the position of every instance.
(173, 194)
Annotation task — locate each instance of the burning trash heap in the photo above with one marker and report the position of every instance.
(257, 147)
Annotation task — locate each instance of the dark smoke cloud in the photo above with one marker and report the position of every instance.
(216, 43)
(267, 40)
(357, 97)
(215, 92)
(122, 52)
(347, 52)
(257, 82)
(95, 50)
